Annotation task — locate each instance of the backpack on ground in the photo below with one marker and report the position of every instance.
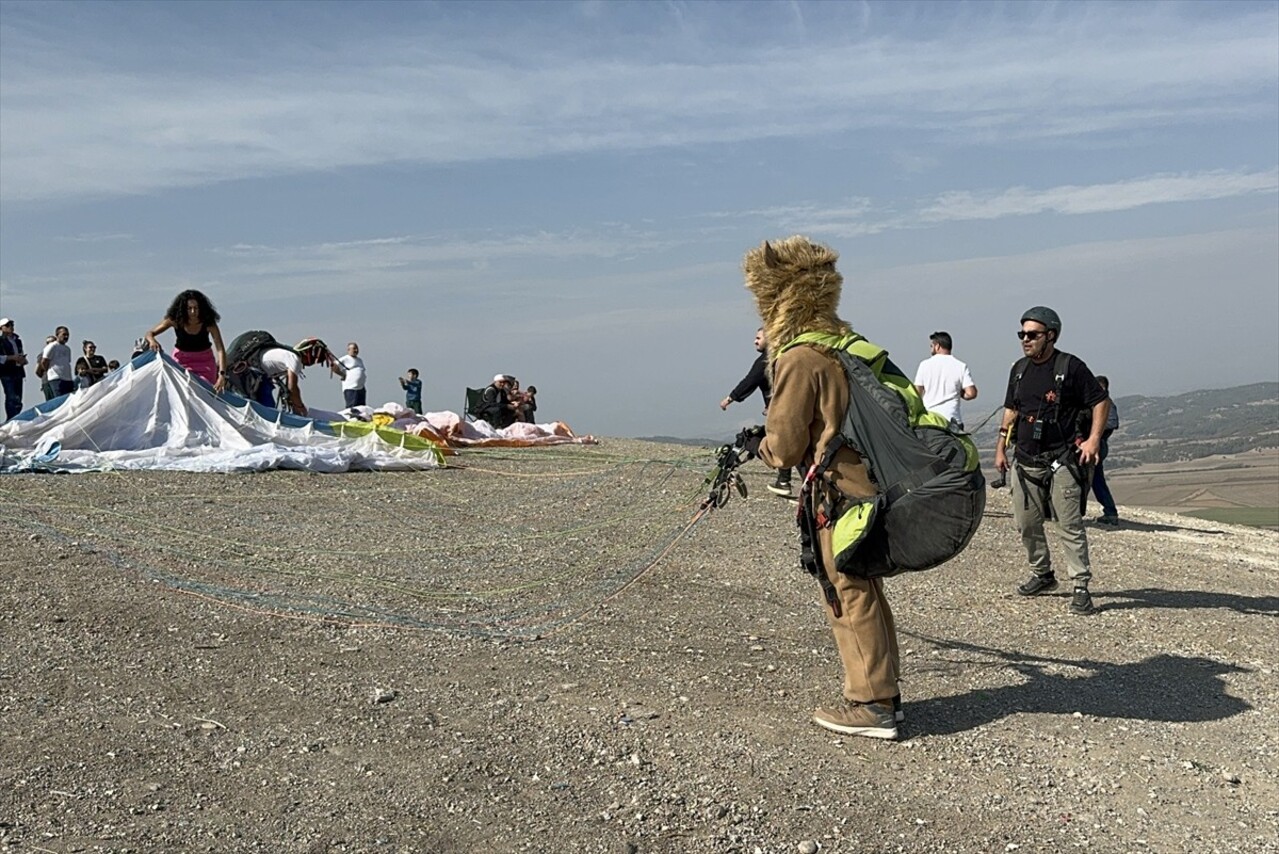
(245, 374)
(931, 492)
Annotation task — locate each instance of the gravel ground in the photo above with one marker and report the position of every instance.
(534, 653)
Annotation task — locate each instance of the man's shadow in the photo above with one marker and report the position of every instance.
(1170, 688)
(1127, 524)
(1152, 597)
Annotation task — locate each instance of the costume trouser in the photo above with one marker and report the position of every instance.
(1030, 510)
(12, 385)
(1099, 486)
(864, 633)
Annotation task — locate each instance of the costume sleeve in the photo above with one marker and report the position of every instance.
(795, 392)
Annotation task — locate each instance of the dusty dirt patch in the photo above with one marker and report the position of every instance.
(287, 662)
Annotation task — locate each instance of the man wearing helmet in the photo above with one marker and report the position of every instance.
(1054, 413)
(285, 365)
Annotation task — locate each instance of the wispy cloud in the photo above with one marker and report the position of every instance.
(78, 120)
(862, 216)
(96, 238)
(1100, 198)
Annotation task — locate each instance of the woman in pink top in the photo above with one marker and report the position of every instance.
(199, 346)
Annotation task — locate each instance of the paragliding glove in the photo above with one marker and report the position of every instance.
(748, 440)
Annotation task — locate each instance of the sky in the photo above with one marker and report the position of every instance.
(565, 191)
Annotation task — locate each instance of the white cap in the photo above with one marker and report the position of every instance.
(6, 321)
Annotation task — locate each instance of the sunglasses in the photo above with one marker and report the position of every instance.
(1030, 336)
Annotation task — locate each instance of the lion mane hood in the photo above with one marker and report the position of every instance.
(796, 289)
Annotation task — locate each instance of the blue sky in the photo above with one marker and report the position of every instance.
(564, 191)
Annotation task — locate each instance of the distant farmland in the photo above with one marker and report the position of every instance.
(1235, 488)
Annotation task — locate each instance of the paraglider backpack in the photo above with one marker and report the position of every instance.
(931, 492)
(245, 373)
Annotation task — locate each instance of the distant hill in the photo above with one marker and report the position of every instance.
(1187, 426)
(1196, 424)
(674, 440)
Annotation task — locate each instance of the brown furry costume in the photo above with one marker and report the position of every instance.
(797, 289)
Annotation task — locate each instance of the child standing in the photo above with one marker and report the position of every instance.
(412, 391)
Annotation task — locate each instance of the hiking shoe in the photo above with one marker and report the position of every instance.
(1037, 584)
(780, 487)
(1108, 520)
(872, 720)
(1081, 602)
(898, 715)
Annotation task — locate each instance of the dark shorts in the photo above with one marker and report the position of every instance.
(415, 405)
(355, 396)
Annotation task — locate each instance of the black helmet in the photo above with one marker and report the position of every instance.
(1045, 315)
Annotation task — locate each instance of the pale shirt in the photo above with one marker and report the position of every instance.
(943, 378)
(277, 361)
(354, 379)
(59, 358)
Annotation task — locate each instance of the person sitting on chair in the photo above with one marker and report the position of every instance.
(496, 406)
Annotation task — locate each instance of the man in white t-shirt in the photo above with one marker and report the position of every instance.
(943, 381)
(55, 365)
(283, 362)
(353, 391)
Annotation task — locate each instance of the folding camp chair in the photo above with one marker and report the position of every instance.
(474, 396)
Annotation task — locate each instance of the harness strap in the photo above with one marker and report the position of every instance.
(809, 547)
(1044, 485)
(1066, 459)
(914, 480)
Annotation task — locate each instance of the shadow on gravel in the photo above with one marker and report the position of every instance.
(1152, 597)
(1170, 688)
(1126, 524)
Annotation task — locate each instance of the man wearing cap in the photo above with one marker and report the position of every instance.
(495, 403)
(13, 360)
(1055, 414)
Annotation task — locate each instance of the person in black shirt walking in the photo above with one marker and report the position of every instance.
(757, 378)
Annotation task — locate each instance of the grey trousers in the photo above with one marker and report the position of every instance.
(1030, 513)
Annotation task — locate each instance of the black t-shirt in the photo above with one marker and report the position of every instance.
(1044, 423)
(756, 378)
